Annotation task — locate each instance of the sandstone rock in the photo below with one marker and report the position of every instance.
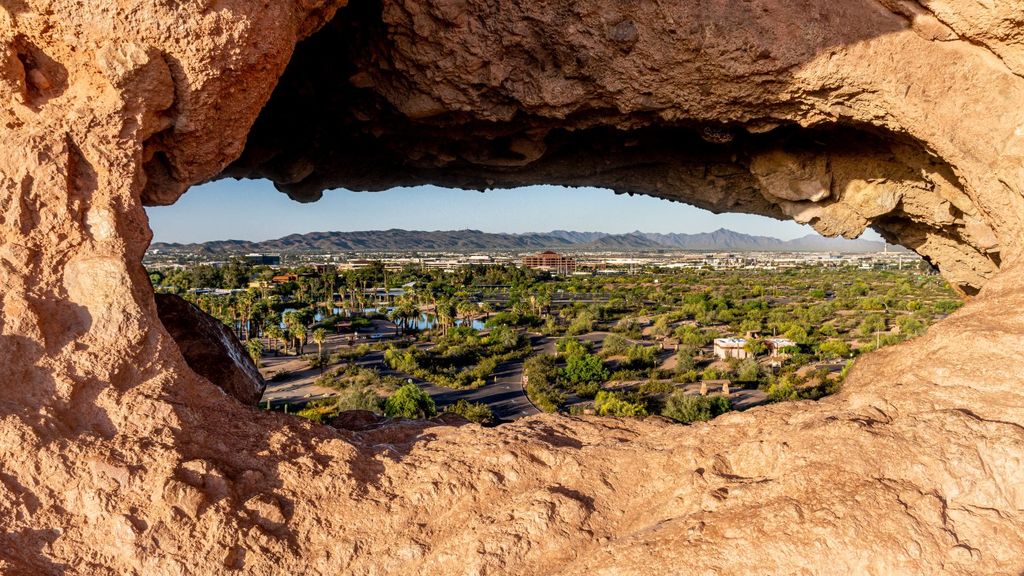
(117, 458)
(211, 349)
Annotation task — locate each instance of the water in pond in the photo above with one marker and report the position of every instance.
(427, 321)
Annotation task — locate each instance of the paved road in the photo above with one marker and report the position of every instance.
(503, 392)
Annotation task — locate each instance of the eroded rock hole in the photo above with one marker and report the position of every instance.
(358, 107)
(349, 327)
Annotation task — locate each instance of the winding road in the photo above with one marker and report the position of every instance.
(503, 392)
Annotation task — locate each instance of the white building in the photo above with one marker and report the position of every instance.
(777, 344)
(726, 348)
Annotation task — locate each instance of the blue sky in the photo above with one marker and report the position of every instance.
(254, 210)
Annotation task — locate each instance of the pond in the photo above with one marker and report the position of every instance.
(426, 321)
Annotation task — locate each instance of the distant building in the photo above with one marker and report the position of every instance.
(284, 278)
(354, 265)
(726, 348)
(264, 259)
(775, 345)
(551, 261)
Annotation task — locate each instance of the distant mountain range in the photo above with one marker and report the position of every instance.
(394, 240)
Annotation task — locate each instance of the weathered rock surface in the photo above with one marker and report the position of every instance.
(210, 349)
(116, 458)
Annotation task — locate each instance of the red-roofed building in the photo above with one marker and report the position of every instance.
(550, 261)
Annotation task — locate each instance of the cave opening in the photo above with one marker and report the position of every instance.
(356, 108)
(827, 300)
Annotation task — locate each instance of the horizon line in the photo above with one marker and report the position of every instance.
(813, 233)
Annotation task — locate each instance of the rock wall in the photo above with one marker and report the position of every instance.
(116, 458)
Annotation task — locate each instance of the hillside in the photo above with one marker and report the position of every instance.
(474, 240)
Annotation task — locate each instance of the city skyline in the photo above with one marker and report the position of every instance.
(254, 210)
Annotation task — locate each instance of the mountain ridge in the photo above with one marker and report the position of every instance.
(395, 239)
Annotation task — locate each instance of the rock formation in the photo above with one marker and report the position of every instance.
(210, 349)
(117, 458)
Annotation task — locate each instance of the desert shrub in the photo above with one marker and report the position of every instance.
(686, 377)
(586, 389)
(639, 357)
(614, 345)
(410, 402)
(910, 326)
(782, 389)
(712, 374)
(402, 360)
(541, 367)
(653, 387)
(318, 411)
(350, 355)
(545, 396)
(617, 404)
(748, 371)
(542, 373)
(687, 408)
(628, 327)
(684, 360)
(692, 337)
(359, 400)
(583, 323)
(318, 360)
(472, 411)
(570, 346)
(280, 376)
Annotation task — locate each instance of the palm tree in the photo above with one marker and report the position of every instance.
(319, 336)
(244, 307)
(299, 334)
(275, 333)
(255, 349)
(487, 309)
(294, 325)
(466, 309)
(410, 311)
(404, 312)
(444, 310)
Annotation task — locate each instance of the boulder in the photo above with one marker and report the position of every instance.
(211, 349)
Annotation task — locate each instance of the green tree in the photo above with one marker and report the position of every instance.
(756, 346)
(833, 348)
(872, 323)
(614, 345)
(570, 347)
(410, 401)
(639, 357)
(255, 349)
(584, 368)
